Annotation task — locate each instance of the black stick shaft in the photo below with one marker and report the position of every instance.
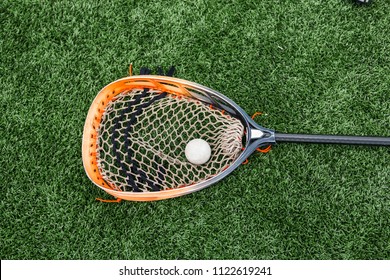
(332, 139)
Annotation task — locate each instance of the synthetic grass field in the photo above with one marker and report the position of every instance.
(310, 66)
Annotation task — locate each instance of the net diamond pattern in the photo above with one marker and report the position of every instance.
(143, 134)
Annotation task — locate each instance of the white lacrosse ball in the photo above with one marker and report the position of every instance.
(198, 151)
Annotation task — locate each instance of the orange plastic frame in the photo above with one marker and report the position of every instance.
(165, 84)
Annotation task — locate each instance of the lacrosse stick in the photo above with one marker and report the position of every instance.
(137, 129)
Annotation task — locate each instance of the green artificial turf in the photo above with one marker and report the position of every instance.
(310, 66)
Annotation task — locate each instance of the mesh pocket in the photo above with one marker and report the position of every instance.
(143, 135)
